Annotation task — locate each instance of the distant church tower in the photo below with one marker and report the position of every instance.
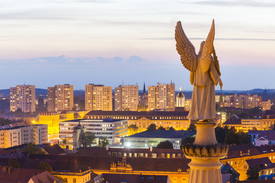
(143, 100)
(180, 99)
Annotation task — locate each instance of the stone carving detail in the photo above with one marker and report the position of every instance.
(198, 151)
(205, 151)
(122, 166)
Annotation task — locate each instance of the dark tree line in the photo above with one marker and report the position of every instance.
(153, 127)
(231, 136)
(226, 136)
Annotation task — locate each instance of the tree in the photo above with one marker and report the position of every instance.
(232, 138)
(14, 164)
(44, 166)
(152, 127)
(161, 128)
(232, 129)
(244, 115)
(219, 109)
(220, 134)
(19, 110)
(132, 129)
(5, 122)
(187, 140)
(32, 149)
(165, 145)
(171, 128)
(255, 110)
(244, 138)
(103, 141)
(86, 139)
(192, 127)
(253, 172)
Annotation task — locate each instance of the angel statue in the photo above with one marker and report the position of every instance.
(204, 73)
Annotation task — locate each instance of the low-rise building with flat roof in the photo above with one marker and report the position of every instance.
(111, 128)
(176, 119)
(153, 138)
(15, 136)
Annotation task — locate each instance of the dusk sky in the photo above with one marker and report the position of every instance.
(111, 42)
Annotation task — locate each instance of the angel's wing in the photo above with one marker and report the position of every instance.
(185, 49)
(208, 48)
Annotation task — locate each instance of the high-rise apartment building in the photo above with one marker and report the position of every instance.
(60, 97)
(161, 97)
(98, 97)
(126, 98)
(239, 101)
(23, 97)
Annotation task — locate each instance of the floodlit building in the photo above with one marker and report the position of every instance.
(266, 105)
(108, 127)
(250, 124)
(188, 104)
(176, 119)
(23, 97)
(126, 98)
(180, 99)
(60, 97)
(239, 101)
(40, 134)
(238, 157)
(265, 121)
(51, 119)
(98, 97)
(222, 116)
(161, 97)
(15, 136)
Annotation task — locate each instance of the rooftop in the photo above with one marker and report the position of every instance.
(132, 178)
(106, 120)
(263, 163)
(164, 134)
(270, 135)
(104, 163)
(140, 114)
(234, 119)
(53, 149)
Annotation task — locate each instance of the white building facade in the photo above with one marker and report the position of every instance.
(15, 136)
(110, 128)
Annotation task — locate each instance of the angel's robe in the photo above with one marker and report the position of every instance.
(203, 98)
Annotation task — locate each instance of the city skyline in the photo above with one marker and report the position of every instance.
(114, 42)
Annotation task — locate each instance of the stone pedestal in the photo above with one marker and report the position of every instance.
(205, 155)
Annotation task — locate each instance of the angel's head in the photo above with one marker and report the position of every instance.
(202, 44)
